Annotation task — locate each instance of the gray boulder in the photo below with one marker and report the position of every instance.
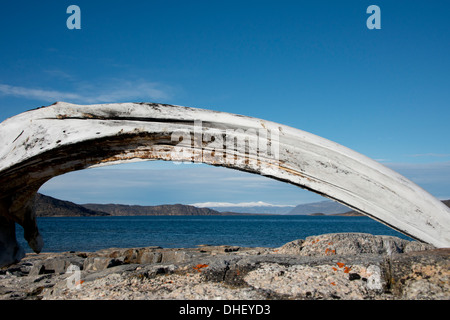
(351, 244)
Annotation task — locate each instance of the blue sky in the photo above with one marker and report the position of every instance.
(312, 65)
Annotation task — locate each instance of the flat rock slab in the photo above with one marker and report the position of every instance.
(361, 267)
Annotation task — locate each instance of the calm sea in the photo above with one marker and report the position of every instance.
(94, 233)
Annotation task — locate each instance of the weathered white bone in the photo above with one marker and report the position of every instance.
(42, 143)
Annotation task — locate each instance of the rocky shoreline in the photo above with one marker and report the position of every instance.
(343, 266)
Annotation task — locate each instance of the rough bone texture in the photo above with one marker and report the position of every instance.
(42, 143)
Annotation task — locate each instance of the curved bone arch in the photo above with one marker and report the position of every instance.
(42, 143)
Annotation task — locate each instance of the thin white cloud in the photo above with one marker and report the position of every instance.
(247, 178)
(115, 91)
(126, 90)
(39, 94)
(435, 155)
(59, 74)
(382, 160)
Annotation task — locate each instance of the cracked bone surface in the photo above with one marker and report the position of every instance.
(43, 143)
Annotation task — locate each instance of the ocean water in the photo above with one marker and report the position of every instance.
(94, 233)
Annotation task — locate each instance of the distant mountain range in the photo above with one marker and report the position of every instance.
(324, 207)
(273, 209)
(135, 210)
(46, 206)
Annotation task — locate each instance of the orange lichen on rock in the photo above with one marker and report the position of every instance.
(340, 264)
(79, 282)
(347, 269)
(199, 267)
